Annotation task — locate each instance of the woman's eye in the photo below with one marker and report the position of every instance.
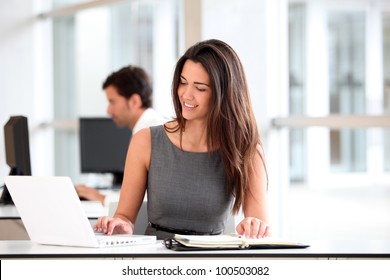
(201, 89)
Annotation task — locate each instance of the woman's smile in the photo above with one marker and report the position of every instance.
(189, 106)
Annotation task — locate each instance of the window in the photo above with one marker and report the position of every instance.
(92, 42)
(329, 76)
(346, 48)
(339, 141)
(297, 78)
(386, 84)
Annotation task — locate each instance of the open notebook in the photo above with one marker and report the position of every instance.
(227, 242)
(52, 214)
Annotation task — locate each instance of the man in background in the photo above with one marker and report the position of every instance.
(129, 96)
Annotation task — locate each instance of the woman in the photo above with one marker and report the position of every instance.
(205, 163)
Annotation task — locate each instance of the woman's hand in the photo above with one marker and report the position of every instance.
(251, 227)
(109, 226)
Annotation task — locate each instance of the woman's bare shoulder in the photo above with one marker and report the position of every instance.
(140, 148)
(141, 138)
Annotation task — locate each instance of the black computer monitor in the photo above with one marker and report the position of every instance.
(103, 147)
(17, 150)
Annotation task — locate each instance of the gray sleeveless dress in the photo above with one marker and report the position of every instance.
(186, 191)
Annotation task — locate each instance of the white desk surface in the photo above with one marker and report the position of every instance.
(93, 209)
(341, 249)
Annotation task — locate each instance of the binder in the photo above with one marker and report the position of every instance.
(227, 242)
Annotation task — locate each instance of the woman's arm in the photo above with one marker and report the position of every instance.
(254, 224)
(133, 186)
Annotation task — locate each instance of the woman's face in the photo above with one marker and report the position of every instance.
(194, 91)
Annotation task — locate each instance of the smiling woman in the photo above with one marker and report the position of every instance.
(210, 156)
(194, 90)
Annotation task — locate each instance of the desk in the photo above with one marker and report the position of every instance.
(12, 227)
(345, 249)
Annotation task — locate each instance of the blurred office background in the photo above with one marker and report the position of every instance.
(318, 71)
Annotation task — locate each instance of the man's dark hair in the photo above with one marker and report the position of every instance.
(131, 80)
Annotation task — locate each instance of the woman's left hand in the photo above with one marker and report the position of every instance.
(251, 227)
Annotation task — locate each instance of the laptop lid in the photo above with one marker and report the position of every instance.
(52, 212)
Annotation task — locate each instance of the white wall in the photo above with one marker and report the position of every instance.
(164, 57)
(92, 40)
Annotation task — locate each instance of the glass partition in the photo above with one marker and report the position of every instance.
(91, 43)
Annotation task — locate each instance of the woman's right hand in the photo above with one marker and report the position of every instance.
(109, 226)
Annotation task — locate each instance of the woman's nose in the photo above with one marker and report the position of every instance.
(187, 93)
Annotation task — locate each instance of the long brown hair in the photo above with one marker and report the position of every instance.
(231, 124)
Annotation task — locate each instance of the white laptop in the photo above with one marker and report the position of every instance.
(52, 214)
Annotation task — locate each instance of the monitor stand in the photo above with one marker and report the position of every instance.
(5, 196)
(117, 180)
